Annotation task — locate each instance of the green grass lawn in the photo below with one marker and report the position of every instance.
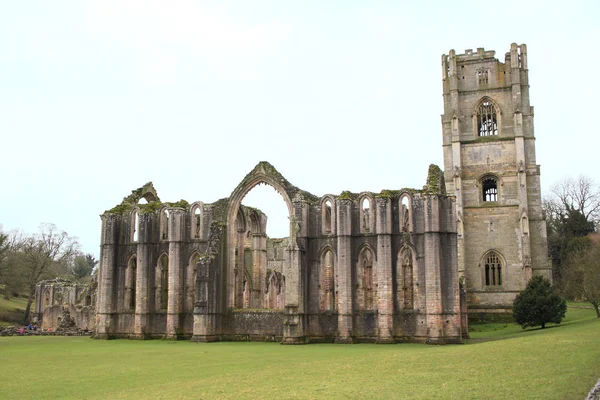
(12, 311)
(500, 361)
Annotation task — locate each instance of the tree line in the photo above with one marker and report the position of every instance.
(26, 259)
(572, 216)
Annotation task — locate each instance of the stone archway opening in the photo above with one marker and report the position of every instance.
(259, 238)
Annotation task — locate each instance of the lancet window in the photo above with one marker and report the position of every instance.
(487, 120)
(493, 269)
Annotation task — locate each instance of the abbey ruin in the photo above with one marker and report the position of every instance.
(394, 266)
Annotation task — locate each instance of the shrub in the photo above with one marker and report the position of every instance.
(538, 304)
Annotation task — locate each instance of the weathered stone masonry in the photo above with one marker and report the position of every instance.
(490, 166)
(384, 267)
(355, 267)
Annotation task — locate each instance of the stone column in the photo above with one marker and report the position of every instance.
(433, 292)
(295, 277)
(108, 261)
(385, 302)
(175, 289)
(208, 294)
(144, 277)
(343, 271)
(259, 268)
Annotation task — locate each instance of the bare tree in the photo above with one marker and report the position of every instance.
(583, 276)
(581, 194)
(44, 255)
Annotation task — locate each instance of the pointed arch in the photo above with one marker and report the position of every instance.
(327, 280)
(275, 290)
(365, 292)
(405, 202)
(328, 226)
(130, 283)
(134, 223)
(164, 223)
(486, 118)
(197, 225)
(246, 289)
(161, 282)
(190, 281)
(262, 173)
(493, 269)
(405, 277)
(366, 206)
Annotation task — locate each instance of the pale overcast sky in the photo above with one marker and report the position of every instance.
(99, 97)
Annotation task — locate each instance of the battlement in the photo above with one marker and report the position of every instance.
(515, 58)
(481, 53)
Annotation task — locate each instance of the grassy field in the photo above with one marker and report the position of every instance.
(12, 311)
(501, 361)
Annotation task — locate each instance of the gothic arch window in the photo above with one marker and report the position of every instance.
(190, 282)
(197, 221)
(493, 269)
(404, 279)
(365, 289)
(366, 213)
(328, 215)
(327, 282)
(162, 283)
(130, 283)
(274, 290)
(135, 225)
(489, 188)
(164, 224)
(406, 213)
(246, 289)
(486, 118)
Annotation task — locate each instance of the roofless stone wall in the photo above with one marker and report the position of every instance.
(373, 267)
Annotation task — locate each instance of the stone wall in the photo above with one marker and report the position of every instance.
(378, 267)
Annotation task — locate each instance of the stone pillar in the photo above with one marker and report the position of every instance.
(433, 292)
(175, 290)
(385, 302)
(343, 271)
(144, 277)
(295, 277)
(240, 269)
(108, 261)
(259, 268)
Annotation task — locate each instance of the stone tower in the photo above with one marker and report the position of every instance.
(490, 165)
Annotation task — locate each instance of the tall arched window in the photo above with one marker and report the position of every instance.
(366, 214)
(365, 292)
(164, 224)
(405, 214)
(487, 120)
(404, 279)
(327, 282)
(327, 216)
(130, 283)
(247, 288)
(135, 226)
(493, 269)
(190, 282)
(162, 283)
(196, 221)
